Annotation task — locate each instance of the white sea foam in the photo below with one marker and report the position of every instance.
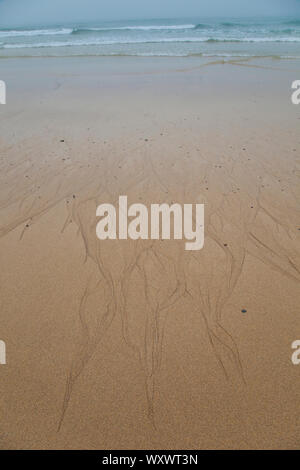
(60, 31)
(140, 28)
(35, 32)
(101, 42)
(267, 37)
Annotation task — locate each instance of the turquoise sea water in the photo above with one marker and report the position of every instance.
(235, 37)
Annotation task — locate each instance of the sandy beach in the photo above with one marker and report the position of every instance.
(128, 344)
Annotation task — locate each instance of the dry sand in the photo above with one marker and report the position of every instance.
(143, 345)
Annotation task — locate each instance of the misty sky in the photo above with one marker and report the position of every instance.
(22, 12)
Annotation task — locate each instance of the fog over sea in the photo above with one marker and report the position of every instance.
(236, 37)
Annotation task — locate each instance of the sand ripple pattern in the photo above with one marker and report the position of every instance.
(252, 210)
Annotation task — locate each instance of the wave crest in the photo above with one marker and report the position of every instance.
(35, 32)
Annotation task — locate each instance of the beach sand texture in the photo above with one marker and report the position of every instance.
(141, 344)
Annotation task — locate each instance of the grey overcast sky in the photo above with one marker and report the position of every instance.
(22, 12)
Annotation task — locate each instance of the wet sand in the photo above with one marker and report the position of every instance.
(141, 344)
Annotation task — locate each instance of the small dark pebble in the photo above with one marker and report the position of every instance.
(225, 244)
(74, 196)
(244, 310)
(62, 140)
(27, 225)
(146, 140)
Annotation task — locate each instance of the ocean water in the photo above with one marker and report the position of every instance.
(236, 37)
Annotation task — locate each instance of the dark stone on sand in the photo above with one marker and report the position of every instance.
(62, 140)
